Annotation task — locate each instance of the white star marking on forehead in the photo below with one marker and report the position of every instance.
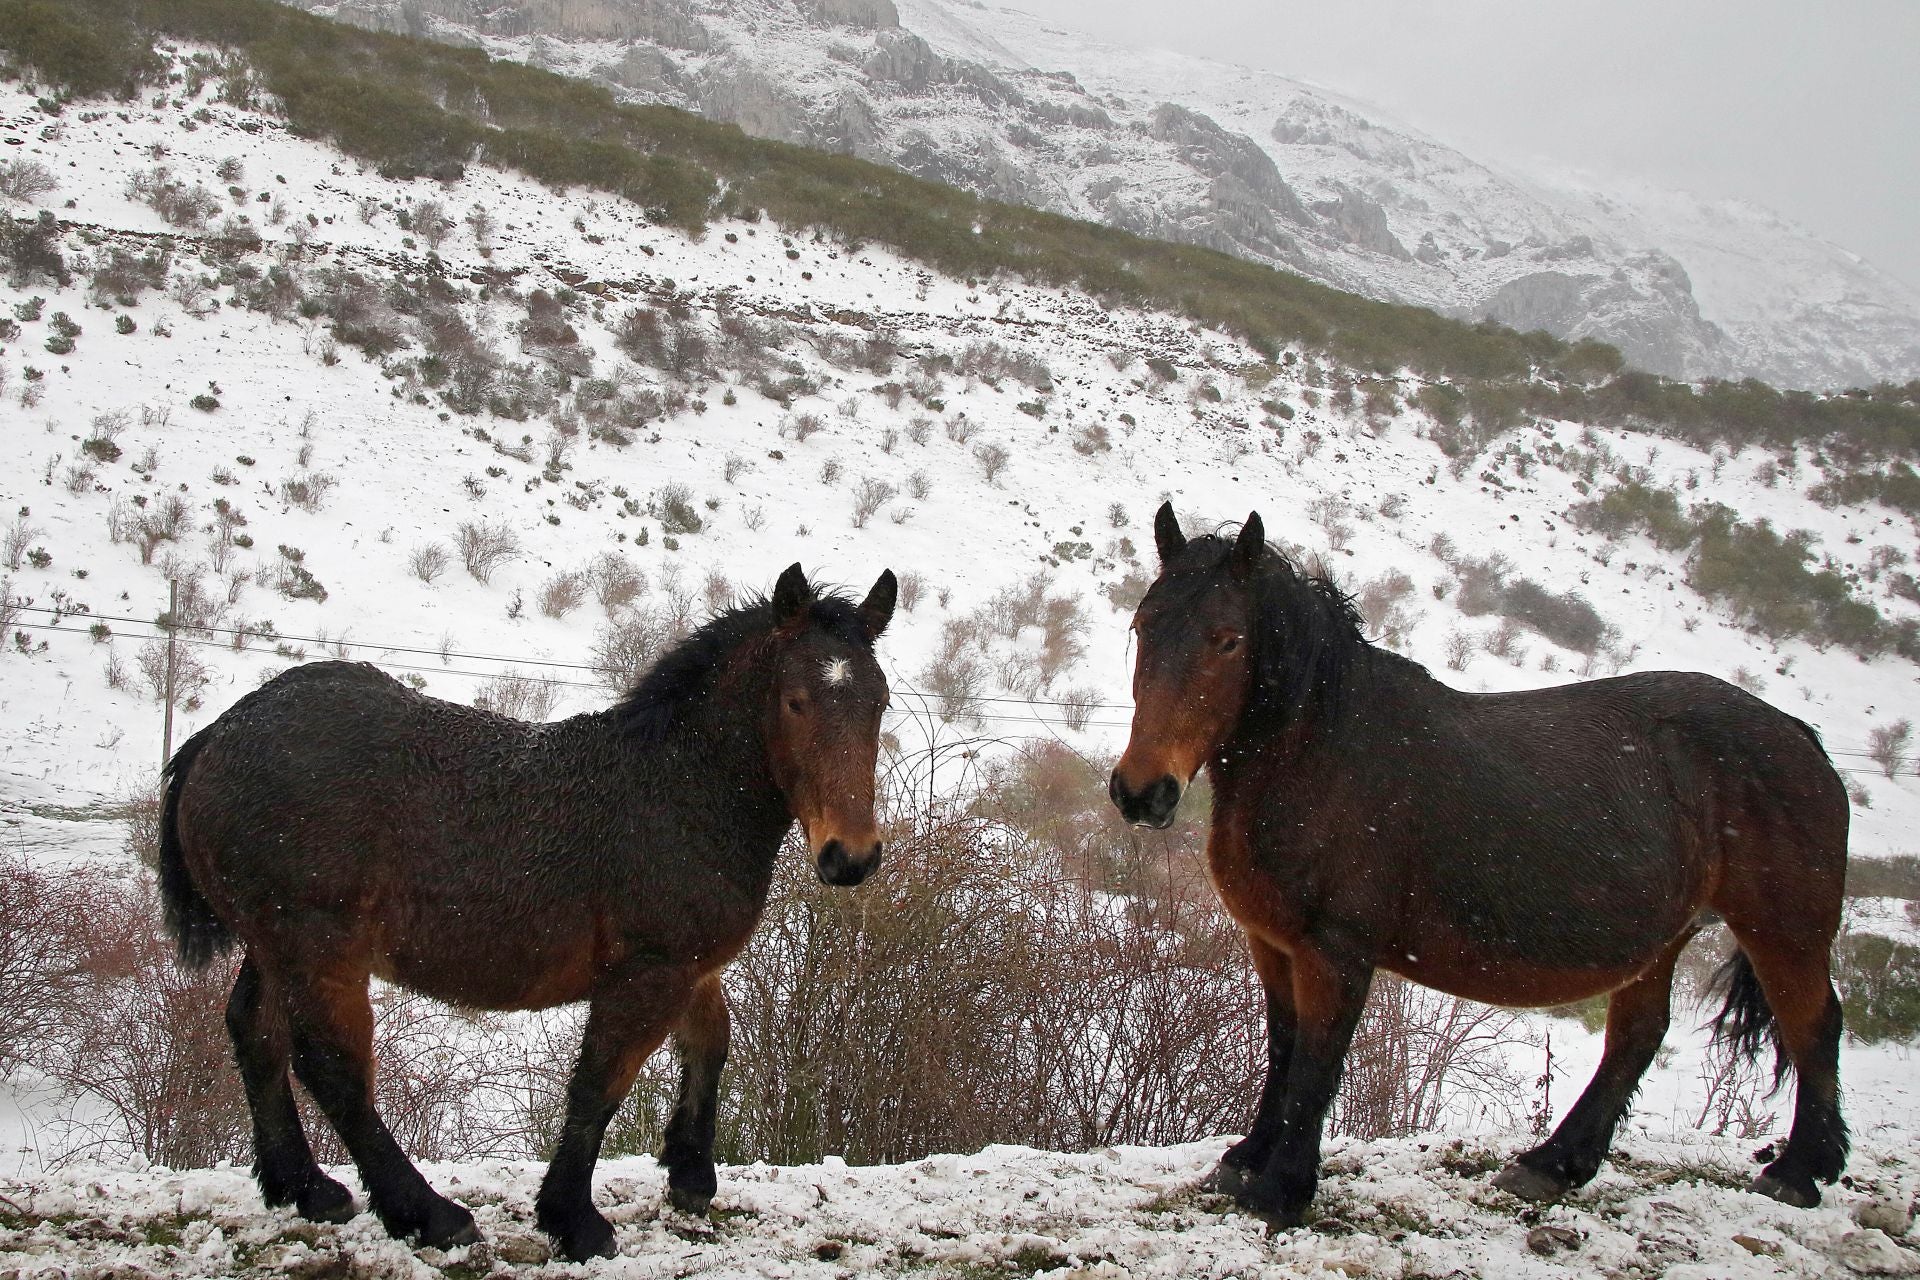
(836, 671)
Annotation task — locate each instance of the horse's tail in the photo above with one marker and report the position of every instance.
(197, 932)
(1746, 1021)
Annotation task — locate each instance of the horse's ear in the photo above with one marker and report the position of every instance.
(1248, 547)
(1166, 534)
(792, 594)
(876, 611)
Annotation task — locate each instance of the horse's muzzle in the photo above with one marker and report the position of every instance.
(840, 865)
(1152, 806)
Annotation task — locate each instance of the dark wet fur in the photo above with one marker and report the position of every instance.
(340, 825)
(1524, 848)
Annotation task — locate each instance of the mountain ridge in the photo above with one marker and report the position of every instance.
(1159, 144)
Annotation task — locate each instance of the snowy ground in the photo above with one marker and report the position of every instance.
(1389, 1209)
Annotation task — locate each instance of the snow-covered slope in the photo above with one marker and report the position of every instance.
(991, 99)
(1093, 441)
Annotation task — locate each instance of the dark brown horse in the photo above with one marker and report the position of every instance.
(340, 826)
(1520, 848)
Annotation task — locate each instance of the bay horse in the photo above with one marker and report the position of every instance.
(341, 826)
(1526, 849)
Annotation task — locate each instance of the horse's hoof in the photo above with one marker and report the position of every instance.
(591, 1238)
(1801, 1195)
(1280, 1212)
(449, 1226)
(324, 1200)
(689, 1201)
(1225, 1180)
(1529, 1183)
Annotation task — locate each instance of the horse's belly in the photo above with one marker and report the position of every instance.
(1481, 978)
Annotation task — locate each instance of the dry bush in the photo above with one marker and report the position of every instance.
(1459, 650)
(801, 425)
(1887, 745)
(483, 546)
(561, 594)
(717, 591)
(25, 180)
(517, 694)
(868, 497)
(1382, 606)
(919, 484)
(961, 428)
(1419, 1054)
(912, 586)
(139, 1059)
(14, 543)
(992, 459)
(190, 675)
(615, 582)
(428, 561)
(42, 948)
(625, 647)
(1077, 706)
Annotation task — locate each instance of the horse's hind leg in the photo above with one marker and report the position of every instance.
(1799, 992)
(332, 1026)
(628, 1019)
(688, 1152)
(282, 1160)
(1637, 1018)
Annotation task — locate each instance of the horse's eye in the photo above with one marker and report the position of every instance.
(797, 706)
(1229, 644)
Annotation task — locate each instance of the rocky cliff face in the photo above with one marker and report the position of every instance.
(1243, 161)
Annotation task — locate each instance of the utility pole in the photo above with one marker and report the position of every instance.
(173, 630)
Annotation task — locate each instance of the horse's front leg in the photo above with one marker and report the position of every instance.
(1329, 991)
(1248, 1156)
(628, 1019)
(688, 1150)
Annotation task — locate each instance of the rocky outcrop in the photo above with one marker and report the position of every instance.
(1213, 151)
(1657, 328)
(1361, 222)
(853, 13)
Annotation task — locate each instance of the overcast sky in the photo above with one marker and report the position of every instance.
(1810, 107)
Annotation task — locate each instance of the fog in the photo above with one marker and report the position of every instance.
(1810, 110)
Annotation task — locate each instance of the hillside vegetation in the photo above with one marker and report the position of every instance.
(413, 107)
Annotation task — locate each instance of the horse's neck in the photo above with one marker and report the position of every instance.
(1373, 682)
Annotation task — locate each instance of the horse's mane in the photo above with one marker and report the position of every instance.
(1307, 634)
(680, 676)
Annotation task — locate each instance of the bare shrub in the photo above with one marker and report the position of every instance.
(562, 593)
(955, 678)
(517, 694)
(1419, 1053)
(912, 585)
(868, 497)
(428, 561)
(919, 484)
(1458, 648)
(625, 647)
(431, 223)
(14, 543)
(42, 974)
(961, 428)
(1077, 706)
(484, 546)
(801, 425)
(992, 459)
(614, 581)
(25, 180)
(1887, 746)
(1381, 602)
(919, 427)
(190, 675)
